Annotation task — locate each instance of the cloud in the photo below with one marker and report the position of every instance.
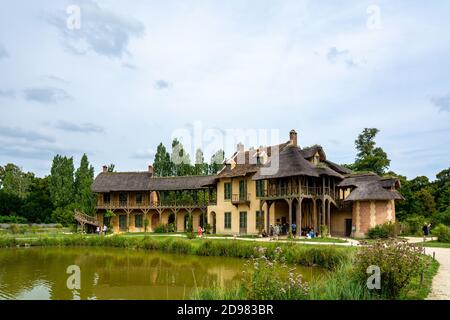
(129, 66)
(46, 95)
(144, 154)
(3, 52)
(101, 31)
(161, 84)
(57, 79)
(73, 127)
(443, 102)
(33, 152)
(18, 133)
(344, 56)
(7, 93)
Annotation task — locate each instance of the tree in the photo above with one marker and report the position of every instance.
(84, 177)
(14, 180)
(38, 206)
(62, 182)
(441, 190)
(162, 164)
(10, 204)
(200, 167)
(217, 160)
(181, 162)
(369, 157)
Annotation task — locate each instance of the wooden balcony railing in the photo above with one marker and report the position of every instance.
(121, 204)
(278, 192)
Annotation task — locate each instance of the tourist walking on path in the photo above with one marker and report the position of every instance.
(105, 228)
(97, 230)
(200, 231)
(294, 229)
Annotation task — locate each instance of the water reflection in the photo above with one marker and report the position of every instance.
(40, 273)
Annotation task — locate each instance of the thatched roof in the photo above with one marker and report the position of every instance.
(326, 171)
(369, 186)
(338, 168)
(143, 181)
(291, 163)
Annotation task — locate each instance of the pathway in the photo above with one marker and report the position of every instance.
(441, 282)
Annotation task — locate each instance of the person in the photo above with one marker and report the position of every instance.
(105, 228)
(294, 229)
(97, 230)
(425, 230)
(200, 231)
(271, 231)
(264, 234)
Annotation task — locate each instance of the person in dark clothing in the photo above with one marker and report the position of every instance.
(425, 230)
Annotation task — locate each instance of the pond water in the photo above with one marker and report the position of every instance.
(109, 273)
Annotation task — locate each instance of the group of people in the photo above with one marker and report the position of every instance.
(283, 229)
(101, 231)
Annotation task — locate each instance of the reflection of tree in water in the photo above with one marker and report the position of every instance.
(113, 273)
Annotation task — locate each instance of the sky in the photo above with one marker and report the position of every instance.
(114, 78)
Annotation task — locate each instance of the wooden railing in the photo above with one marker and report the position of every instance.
(116, 204)
(240, 198)
(83, 218)
(276, 191)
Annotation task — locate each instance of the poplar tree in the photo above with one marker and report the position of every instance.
(84, 177)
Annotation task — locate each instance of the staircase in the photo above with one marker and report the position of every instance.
(84, 219)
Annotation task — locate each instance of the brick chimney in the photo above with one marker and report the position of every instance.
(240, 147)
(105, 168)
(150, 169)
(293, 137)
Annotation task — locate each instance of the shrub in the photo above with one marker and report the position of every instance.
(442, 232)
(161, 228)
(12, 219)
(191, 235)
(383, 231)
(324, 231)
(441, 218)
(415, 224)
(14, 229)
(399, 263)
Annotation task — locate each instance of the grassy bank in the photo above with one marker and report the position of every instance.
(434, 244)
(324, 256)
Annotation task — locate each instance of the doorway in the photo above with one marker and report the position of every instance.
(243, 222)
(348, 227)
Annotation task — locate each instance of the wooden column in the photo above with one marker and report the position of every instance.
(261, 213)
(299, 217)
(314, 217)
(329, 217)
(290, 215)
(268, 217)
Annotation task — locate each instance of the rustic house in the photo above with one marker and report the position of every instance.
(257, 188)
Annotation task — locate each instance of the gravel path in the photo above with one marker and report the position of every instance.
(441, 282)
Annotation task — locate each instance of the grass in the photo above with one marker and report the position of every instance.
(418, 291)
(326, 240)
(433, 244)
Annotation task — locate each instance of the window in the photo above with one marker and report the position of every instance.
(139, 198)
(123, 222)
(227, 222)
(243, 190)
(138, 221)
(123, 199)
(227, 191)
(243, 222)
(259, 220)
(260, 188)
(106, 198)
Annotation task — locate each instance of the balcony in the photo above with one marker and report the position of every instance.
(243, 198)
(122, 204)
(275, 192)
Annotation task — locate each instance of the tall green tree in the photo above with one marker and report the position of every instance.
(200, 167)
(14, 181)
(180, 159)
(370, 157)
(441, 190)
(38, 206)
(84, 177)
(217, 160)
(62, 181)
(162, 166)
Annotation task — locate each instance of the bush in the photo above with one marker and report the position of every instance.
(161, 228)
(442, 232)
(14, 229)
(441, 218)
(415, 224)
(383, 231)
(12, 219)
(191, 235)
(324, 231)
(399, 263)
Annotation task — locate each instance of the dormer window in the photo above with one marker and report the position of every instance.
(316, 159)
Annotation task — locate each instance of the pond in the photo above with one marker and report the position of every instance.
(110, 273)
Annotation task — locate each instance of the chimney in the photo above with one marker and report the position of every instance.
(150, 169)
(240, 147)
(105, 168)
(293, 137)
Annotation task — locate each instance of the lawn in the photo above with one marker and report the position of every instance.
(434, 244)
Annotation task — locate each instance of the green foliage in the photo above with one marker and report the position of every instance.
(146, 224)
(64, 215)
(62, 182)
(12, 219)
(14, 181)
(324, 231)
(369, 157)
(38, 206)
(191, 235)
(217, 160)
(162, 166)
(84, 177)
(161, 228)
(383, 231)
(442, 232)
(415, 224)
(10, 204)
(441, 218)
(399, 263)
